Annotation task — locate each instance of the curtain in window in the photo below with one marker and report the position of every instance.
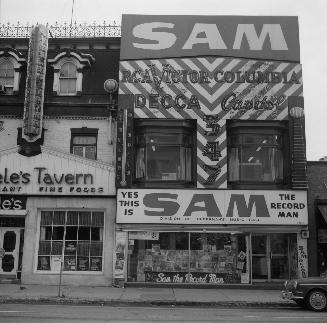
(84, 140)
(67, 78)
(7, 76)
(233, 165)
(140, 163)
(7, 73)
(276, 164)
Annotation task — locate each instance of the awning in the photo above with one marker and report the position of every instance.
(13, 213)
(323, 210)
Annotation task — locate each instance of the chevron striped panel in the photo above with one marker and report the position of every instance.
(211, 90)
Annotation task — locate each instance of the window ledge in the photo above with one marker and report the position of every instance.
(164, 184)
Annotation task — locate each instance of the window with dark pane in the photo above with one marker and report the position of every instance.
(257, 152)
(84, 142)
(165, 151)
(68, 79)
(7, 74)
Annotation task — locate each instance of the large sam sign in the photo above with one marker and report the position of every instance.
(212, 207)
(230, 36)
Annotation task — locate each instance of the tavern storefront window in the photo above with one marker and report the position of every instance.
(165, 151)
(75, 235)
(256, 152)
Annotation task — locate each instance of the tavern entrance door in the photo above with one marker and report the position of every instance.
(9, 250)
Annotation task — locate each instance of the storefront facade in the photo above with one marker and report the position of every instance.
(211, 236)
(58, 98)
(57, 217)
(210, 151)
(317, 208)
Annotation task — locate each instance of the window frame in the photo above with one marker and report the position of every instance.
(84, 132)
(69, 78)
(240, 128)
(157, 126)
(17, 60)
(6, 77)
(79, 59)
(56, 77)
(67, 272)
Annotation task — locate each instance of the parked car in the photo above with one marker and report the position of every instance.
(308, 292)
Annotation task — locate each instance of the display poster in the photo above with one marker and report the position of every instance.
(245, 278)
(55, 264)
(225, 207)
(83, 263)
(43, 263)
(322, 235)
(302, 257)
(70, 263)
(96, 264)
(119, 254)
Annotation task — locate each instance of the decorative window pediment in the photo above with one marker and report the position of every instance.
(68, 68)
(11, 62)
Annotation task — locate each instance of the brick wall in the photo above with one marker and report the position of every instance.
(57, 135)
(317, 177)
(8, 132)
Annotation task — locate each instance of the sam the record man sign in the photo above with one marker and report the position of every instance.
(212, 207)
(207, 68)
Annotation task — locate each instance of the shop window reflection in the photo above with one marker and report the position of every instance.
(78, 235)
(189, 257)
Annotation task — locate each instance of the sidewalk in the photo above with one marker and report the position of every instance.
(14, 293)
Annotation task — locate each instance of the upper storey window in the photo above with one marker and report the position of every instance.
(68, 79)
(11, 62)
(165, 152)
(7, 77)
(68, 71)
(256, 153)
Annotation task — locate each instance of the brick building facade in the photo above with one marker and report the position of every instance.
(57, 140)
(317, 209)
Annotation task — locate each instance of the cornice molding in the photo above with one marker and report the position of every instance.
(75, 158)
(83, 59)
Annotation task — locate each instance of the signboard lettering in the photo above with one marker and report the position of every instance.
(166, 39)
(212, 207)
(171, 76)
(194, 278)
(238, 36)
(11, 202)
(43, 181)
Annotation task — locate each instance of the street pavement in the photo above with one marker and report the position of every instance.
(16, 293)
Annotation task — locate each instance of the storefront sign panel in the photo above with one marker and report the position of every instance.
(192, 278)
(216, 87)
(46, 174)
(210, 90)
(212, 207)
(263, 37)
(12, 202)
(143, 235)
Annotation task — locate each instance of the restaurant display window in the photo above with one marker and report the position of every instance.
(189, 257)
(165, 151)
(257, 152)
(77, 235)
